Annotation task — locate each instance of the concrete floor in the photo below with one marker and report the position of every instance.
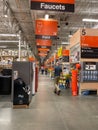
(49, 111)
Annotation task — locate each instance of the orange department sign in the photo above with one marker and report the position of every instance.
(46, 29)
(43, 43)
(89, 46)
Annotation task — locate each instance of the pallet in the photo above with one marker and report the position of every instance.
(88, 86)
(20, 106)
(81, 90)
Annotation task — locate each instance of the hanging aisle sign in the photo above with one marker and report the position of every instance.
(53, 5)
(43, 43)
(42, 53)
(43, 49)
(65, 55)
(46, 29)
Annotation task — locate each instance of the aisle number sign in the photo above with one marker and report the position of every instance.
(53, 5)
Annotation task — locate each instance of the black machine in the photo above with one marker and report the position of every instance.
(21, 93)
(22, 83)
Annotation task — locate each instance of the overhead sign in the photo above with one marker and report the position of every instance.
(65, 52)
(42, 54)
(89, 46)
(46, 29)
(43, 43)
(43, 49)
(53, 5)
(65, 55)
(59, 53)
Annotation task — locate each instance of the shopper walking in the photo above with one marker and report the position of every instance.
(57, 73)
(46, 71)
(42, 70)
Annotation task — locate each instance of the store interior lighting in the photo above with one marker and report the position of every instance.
(65, 43)
(89, 20)
(5, 15)
(5, 9)
(12, 35)
(3, 47)
(46, 16)
(69, 36)
(5, 41)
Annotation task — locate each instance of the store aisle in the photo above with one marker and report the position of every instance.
(49, 111)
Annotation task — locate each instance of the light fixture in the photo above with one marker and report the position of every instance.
(7, 41)
(3, 47)
(69, 36)
(5, 15)
(89, 20)
(12, 35)
(5, 9)
(65, 43)
(46, 16)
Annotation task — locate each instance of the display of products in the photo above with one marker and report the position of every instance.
(90, 75)
(89, 72)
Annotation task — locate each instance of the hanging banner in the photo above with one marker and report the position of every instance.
(65, 52)
(59, 53)
(89, 46)
(43, 43)
(53, 5)
(42, 54)
(65, 55)
(49, 47)
(46, 29)
(43, 49)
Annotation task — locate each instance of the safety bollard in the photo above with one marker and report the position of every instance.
(74, 83)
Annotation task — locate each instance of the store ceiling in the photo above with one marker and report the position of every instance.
(20, 17)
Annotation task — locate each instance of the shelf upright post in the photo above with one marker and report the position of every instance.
(54, 58)
(19, 53)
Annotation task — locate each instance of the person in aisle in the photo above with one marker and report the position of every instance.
(42, 70)
(46, 71)
(57, 73)
(66, 72)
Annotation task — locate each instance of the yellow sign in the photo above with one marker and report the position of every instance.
(59, 53)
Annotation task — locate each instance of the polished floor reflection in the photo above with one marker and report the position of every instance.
(49, 111)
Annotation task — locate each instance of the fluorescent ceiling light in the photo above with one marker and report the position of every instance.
(90, 20)
(13, 35)
(69, 36)
(5, 15)
(46, 16)
(8, 41)
(65, 43)
(21, 45)
(3, 46)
